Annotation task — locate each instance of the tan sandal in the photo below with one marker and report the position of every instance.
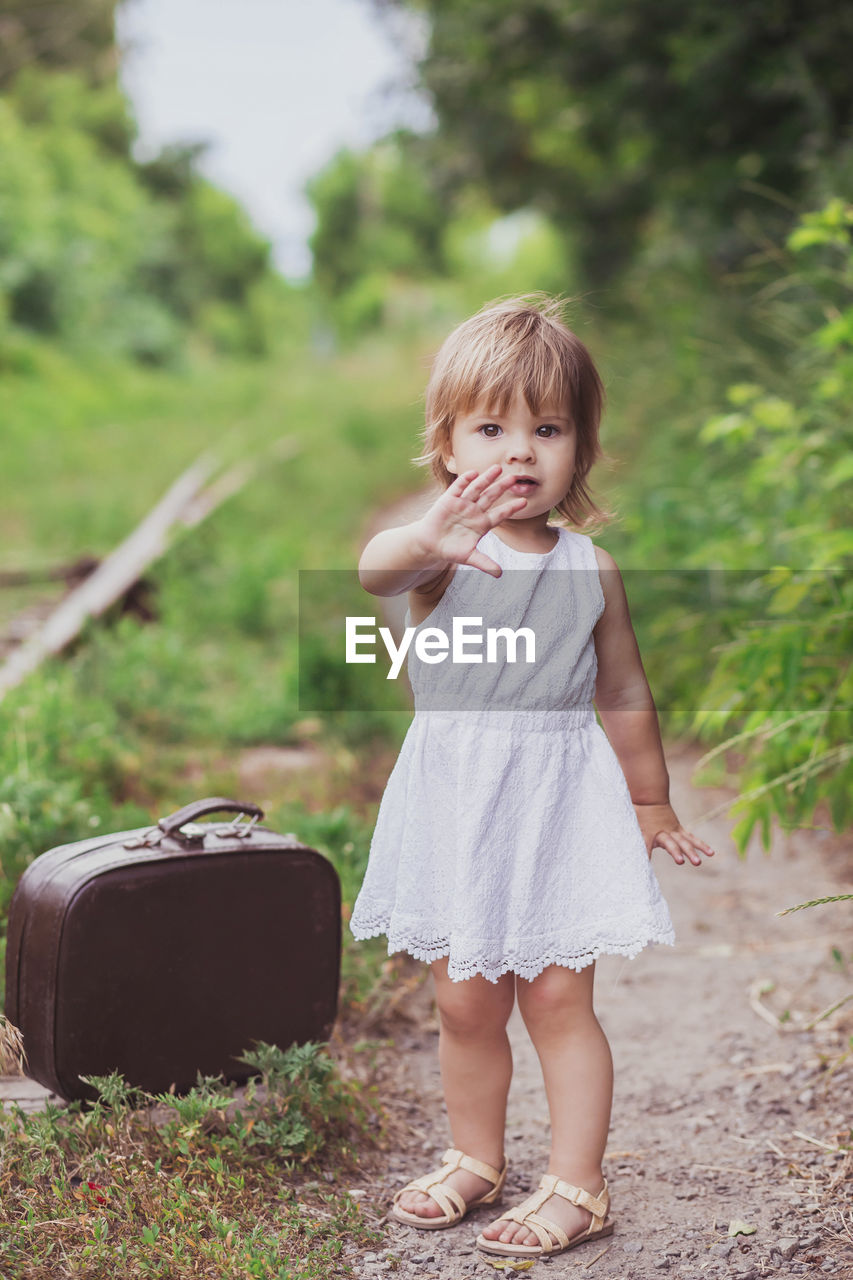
(447, 1197)
(527, 1214)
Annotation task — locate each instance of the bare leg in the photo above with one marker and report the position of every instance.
(578, 1072)
(476, 1067)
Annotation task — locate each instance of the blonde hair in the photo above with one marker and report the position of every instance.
(518, 344)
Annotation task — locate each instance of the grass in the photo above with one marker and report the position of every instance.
(202, 1185)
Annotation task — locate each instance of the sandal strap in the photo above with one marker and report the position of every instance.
(526, 1216)
(450, 1201)
(458, 1160)
(527, 1213)
(545, 1229)
(598, 1206)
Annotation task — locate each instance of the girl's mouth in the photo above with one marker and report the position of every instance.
(524, 485)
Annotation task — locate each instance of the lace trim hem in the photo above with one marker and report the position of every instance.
(528, 967)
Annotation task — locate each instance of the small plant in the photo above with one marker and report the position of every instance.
(206, 1184)
(839, 1004)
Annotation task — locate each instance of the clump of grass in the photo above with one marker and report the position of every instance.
(204, 1185)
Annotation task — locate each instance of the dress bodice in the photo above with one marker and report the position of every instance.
(550, 601)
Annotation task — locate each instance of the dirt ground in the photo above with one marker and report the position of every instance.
(720, 1112)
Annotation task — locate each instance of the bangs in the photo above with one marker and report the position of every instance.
(503, 351)
(531, 368)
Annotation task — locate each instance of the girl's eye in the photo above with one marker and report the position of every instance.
(490, 429)
(549, 430)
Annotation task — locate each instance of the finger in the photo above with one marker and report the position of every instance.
(507, 510)
(683, 842)
(481, 561)
(474, 489)
(700, 844)
(691, 843)
(665, 841)
(497, 488)
(461, 483)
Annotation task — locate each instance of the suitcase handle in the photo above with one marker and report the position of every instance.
(198, 808)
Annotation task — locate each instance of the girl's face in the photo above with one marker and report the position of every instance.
(538, 448)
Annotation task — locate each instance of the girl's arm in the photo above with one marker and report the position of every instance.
(397, 560)
(403, 559)
(629, 718)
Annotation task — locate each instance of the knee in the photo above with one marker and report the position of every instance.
(466, 1009)
(556, 997)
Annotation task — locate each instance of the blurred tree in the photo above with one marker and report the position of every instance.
(77, 34)
(212, 252)
(171, 173)
(599, 112)
(62, 99)
(376, 211)
(97, 249)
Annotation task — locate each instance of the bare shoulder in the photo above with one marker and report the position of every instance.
(604, 558)
(608, 572)
(612, 587)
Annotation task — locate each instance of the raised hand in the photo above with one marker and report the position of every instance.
(470, 507)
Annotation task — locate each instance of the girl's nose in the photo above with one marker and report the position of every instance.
(519, 449)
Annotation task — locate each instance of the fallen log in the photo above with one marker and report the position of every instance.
(187, 502)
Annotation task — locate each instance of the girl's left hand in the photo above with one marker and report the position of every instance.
(661, 827)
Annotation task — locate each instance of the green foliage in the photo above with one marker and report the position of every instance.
(94, 255)
(209, 1184)
(64, 100)
(220, 253)
(344, 837)
(378, 217)
(73, 225)
(490, 255)
(786, 687)
(375, 212)
(374, 278)
(58, 34)
(600, 113)
(61, 760)
(775, 493)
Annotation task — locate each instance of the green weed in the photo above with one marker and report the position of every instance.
(200, 1185)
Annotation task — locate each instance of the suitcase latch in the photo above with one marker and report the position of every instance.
(148, 840)
(191, 833)
(237, 830)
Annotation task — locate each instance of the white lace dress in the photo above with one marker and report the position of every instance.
(506, 839)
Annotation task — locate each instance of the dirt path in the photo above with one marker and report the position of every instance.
(718, 1115)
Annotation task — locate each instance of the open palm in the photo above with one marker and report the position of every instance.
(469, 508)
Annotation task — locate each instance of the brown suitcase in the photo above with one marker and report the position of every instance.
(167, 951)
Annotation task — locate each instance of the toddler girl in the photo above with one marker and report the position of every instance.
(513, 842)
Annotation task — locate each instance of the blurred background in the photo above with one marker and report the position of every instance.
(240, 231)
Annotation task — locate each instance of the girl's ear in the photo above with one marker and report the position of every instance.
(448, 458)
